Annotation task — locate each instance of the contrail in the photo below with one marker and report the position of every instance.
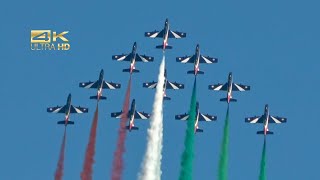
(262, 175)
(117, 165)
(87, 170)
(151, 164)
(188, 153)
(223, 162)
(60, 167)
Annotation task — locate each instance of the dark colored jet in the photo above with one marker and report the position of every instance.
(266, 118)
(229, 87)
(67, 109)
(199, 117)
(132, 115)
(167, 85)
(165, 34)
(99, 85)
(133, 57)
(196, 59)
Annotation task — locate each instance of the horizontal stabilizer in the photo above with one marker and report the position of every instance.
(161, 47)
(96, 97)
(166, 98)
(65, 122)
(262, 132)
(132, 128)
(193, 72)
(128, 70)
(226, 99)
(199, 130)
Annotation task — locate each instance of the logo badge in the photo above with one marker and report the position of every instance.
(49, 40)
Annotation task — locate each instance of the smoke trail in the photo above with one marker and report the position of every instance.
(117, 165)
(87, 170)
(59, 171)
(151, 165)
(223, 162)
(262, 175)
(188, 153)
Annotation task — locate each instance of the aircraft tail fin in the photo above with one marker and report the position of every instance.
(262, 132)
(96, 97)
(65, 122)
(133, 71)
(199, 130)
(161, 47)
(226, 99)
(193, 72)
(166, 98)
(132, 128)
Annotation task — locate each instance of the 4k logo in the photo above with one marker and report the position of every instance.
(49, 40)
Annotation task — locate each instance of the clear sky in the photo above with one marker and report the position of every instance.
(271, 45)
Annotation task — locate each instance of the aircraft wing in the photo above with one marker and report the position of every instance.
(111, 85)
(154, 34)
(219, 87)
(78, 110)
(207, 59)
(122, 57)
(276, 119)
(57, 109)
(174, 85)
(186, 59)
(116, 114)
(240, 87)
(207, 117)
(150, 85)
(141, 115)
(182, 117)
(144, 58)
(176, 34)
(89, 84)
(255, 119)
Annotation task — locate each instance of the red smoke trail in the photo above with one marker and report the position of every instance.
(86, 173)
(59, 171)
(117, 165)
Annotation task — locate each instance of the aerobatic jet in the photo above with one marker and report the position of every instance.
(99, 85)
(199, 117)
(165, 34)
(229, 87)
(167, 85)
(266, 118)
(196, 59)
(132, 115)
(133, 57)
(67, 110)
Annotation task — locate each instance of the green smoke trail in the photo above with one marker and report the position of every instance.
(262, 175)
(223, 162)
(188, 153)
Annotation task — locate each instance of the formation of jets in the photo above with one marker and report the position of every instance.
(196, 59)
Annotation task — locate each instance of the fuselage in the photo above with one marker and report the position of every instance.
(266, 121)
(132, 113)
(133, 58)
(166, 34)
(67, 114)
(229, 92)
(197, 60)
(100, 86)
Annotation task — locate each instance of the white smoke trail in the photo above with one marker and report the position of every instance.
(151, 164)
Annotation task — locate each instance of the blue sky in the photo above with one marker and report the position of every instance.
(272, 46)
